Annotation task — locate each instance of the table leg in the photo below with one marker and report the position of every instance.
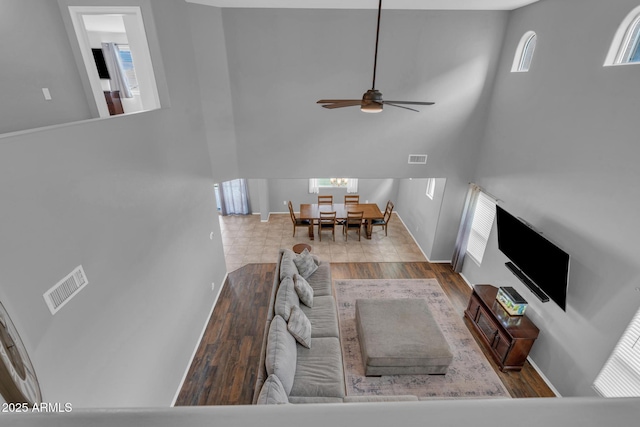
(368, 228)
(311, 230)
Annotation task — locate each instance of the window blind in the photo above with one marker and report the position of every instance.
(483, 217)
(527, 53)
(620, 376)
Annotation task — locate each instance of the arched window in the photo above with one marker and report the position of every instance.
(524, 52)
(625, 48)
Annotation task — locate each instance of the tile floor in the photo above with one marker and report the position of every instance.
(247, 240)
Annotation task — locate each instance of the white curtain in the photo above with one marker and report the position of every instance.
(234, 197)
(314, 187)
(457, 260)
(116, 71)
(352, 185)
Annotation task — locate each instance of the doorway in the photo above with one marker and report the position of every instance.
(122, 27)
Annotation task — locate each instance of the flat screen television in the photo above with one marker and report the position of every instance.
(101, 64)
(539, 264)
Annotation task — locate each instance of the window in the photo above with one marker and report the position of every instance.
(483, 216)
(625, 48)
(351, 184)
(130, 71)
(524, 53)
(620, 376)
(431, 187)
(332, 182)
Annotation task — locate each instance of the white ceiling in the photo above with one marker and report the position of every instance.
(372, 4)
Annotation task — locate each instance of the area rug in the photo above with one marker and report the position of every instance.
(469, 376)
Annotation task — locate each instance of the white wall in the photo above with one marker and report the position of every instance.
(214, 89)
(561, 150)
(33, 60)
(283, 60)
(131, 199)
(421, 214)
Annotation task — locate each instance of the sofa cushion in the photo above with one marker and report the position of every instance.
(320, 280)
(272, 392)
(319, 371)
(305, 264)
(300, 327)
(303, 289)
(286, 298)
(287, 266)
(323, 317)
(281, 357)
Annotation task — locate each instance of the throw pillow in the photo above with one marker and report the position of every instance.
(300, 327)
(305, 264)
(281, 355)
(287, 266)
(286, 298)
(272, 392)
(303, 289)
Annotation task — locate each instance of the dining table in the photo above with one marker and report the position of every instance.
(311, 212)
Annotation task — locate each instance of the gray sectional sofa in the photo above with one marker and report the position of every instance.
(289, 372)
(308, 375)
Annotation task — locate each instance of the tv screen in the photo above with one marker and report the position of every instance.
(101, 65)
(545, 264)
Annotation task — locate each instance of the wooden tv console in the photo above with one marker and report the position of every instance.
(508, 338)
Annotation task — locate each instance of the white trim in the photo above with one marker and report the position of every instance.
(414, 239)
(544, 378)
(520, 51)
(195, 350)
(621, 40)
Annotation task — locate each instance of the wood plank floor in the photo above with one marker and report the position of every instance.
(224, 368)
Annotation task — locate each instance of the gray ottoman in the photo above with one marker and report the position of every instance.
(400, 336)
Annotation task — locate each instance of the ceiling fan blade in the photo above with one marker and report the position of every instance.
(409, 102)
(343, 103)
(399, 106)
(333, 101)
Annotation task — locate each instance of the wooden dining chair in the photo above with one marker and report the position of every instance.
(384, 222)
(325, 200)
(353, 222)
(351, 199)
(297, 222)
(327, 221)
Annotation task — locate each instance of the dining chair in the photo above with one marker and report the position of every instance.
(325, 200)
(297, 222)
(351, 199)
(384, 222)
(353, 222)
(327, 221)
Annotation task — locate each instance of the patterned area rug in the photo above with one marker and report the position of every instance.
(469, 376)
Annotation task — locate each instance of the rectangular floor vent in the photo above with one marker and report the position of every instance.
(65, 289)
(417, 159)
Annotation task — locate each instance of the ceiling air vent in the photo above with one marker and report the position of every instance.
(65, 289)
(417, 159)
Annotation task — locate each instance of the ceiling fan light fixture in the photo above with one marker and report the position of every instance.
(373, 107)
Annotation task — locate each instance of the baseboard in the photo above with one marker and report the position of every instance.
(412, 236)
(195, 350)
(466, 280)
(544, 378)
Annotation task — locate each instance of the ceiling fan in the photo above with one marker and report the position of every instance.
(371, 101)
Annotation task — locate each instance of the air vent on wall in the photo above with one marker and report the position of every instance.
(65, 289)
(417, 159)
